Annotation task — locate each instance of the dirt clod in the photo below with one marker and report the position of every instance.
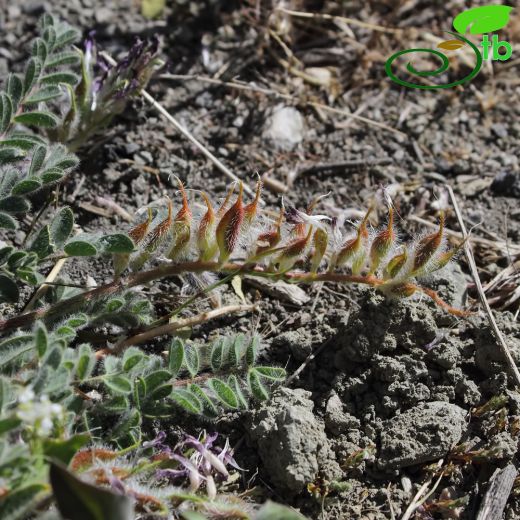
(291, 441)
(425, 432)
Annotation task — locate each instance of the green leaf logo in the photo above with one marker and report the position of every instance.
(484, 19)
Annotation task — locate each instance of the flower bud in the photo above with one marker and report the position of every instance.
(355, 246)
(195, 479)
(426, 249)
(225, 202)
(215, 462)
(211, 488)
(270, 239)
(320, 241)
(206, 234)
(229, 227)
(395, 264)
(181, 227)
(251, 209)
(85, 458)
(293, 251)
(382, 243)
(159, 232)
(139, 232)
(444, 258)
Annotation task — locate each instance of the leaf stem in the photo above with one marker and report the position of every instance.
(71, 305)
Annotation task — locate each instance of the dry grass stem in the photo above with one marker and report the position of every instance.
(186, 133)
(473, 267)
(170, 328)
(351, 21)
(280, 95)
(44, 287)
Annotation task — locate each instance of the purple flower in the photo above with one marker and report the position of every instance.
(200, 460)
(158, 443)
(90, 48)
(110, 87)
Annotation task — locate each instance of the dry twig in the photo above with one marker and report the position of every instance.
(418, 498)
(334, 18)
(186, 133)
(44, 287)
(280, 95)
(170, 328)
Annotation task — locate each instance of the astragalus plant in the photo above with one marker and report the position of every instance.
(75, 417)
(64, 97)
(236, 239)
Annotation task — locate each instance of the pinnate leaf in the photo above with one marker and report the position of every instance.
(117, 243)
(14, 204)
(32, 72)
(176, 356)
(208, 407)
(26, 186)
(6, 111)
(44, 94)
(41, 245)
(131, 358)
(10, 154)
(252, 350)
(39, 49)
(119, 384)
(14, 88)
(218, 349)
(41, 339)
(59, 77)
(191, 359)
(86, 362)
(256, 387)
(235, 386)
(274, 373)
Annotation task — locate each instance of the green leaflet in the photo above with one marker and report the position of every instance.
(37, 118)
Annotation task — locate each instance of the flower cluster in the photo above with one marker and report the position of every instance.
(38, 415)
(111, 84)
(297, 245)
(199, 461)
(105, 89)
(154, 474)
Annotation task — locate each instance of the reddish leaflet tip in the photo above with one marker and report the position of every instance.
(184, 214)
(139, 232)
(251, 210)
